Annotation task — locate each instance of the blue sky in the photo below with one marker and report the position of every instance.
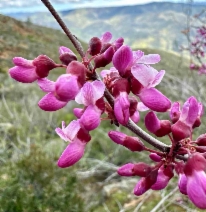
(8, 6)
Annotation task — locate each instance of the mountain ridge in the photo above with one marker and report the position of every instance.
(153, 25)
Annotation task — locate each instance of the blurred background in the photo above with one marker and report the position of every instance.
(30, 180)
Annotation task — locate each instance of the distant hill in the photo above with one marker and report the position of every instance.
(28, 40)
(153, 25)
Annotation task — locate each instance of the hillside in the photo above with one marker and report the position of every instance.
(153, 25)
(28, 40)
(29, 147)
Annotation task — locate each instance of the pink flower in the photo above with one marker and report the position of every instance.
(137, 169)
(196, 179)
(145, 183)
(159, 127)
(78, 138)
(64, 89)
(163, 177)
(142, 76)
(91, 95)
(189, 114)
(132, 143)
(27, 71)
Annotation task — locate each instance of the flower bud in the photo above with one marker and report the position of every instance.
(66, 55)
(201, 140)
(95, 46)
(132, 143)
(145, 183)
(142, 169)
(105, 58)
(77, 69)
(43, 65)
(154, 125)
(155, 157)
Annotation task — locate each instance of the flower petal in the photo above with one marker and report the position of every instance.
(121, 108)
(182, 183)
(72, 154)
(122, 58)
(155, 100)
(144, 74)
(152, 123)
(50, 103)
(90, 93)
(66, 87)
(195, 191)
(20, 61)
(149, 59)
(23, 74)
(106, 37)
(72, 129)
(46, 85)
(90, 118)
(157, 79)
(61, 134)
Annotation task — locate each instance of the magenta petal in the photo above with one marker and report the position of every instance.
(201, 109)
(155, 100)
(118, 43)
(142, 107)
(152, 123)
(121, 108)
(20, 61)
(106, 37)
(144, 74)
(122, 58)
(78, 112)
(157, 79)
(90, 93)
(196, 191)
(23, 74)
(50, 103)
(149, 59)
(63, 49)
(182, 183)
(66, 87)
(72, 129)
(140, 187)
(135, 117)
(117, 137)
(137, 55)
(72, 154)
(155, 157)
(162, 181)
(126, 170)
(46, 85)
(104, 73)
(90, 118)
(193, 111)
(175, 112)
(61, 134)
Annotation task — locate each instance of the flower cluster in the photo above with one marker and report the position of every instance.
(197, 50)
(196, 36)
(131, 82)
(192, 178)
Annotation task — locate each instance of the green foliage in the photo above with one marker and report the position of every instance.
(35, 183)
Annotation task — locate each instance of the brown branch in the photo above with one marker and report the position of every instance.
(130, 125)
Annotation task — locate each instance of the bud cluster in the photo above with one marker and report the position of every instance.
(131, 82)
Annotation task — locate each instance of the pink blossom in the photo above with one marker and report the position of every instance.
(27, 71)
(78, 138)
(90, 96)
